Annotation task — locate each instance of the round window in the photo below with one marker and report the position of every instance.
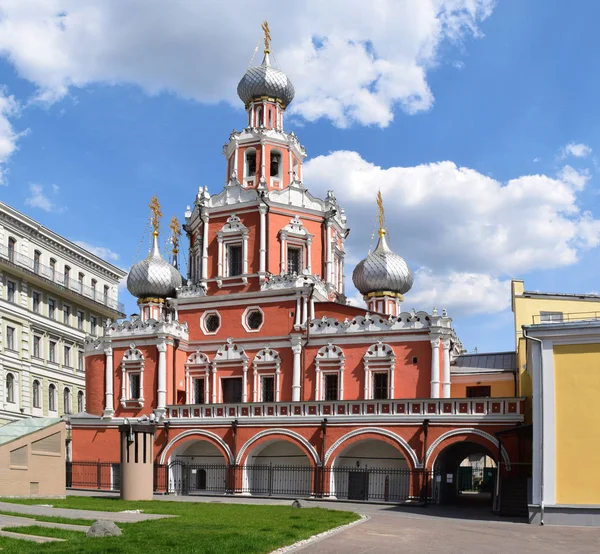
(212, 322)
(254, 319)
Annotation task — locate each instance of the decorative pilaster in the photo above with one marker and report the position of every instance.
(109, 408)
(262, 209)
(446, 369)
(245, 382)
(205, 219)
(283, 241)
(297, 351)
(329, 261)
(214, 383)
(435, 368)
(161, 403)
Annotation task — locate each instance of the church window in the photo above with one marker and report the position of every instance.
(259, 116)
(330, 364)
(250, 162)
(253, 319)
(380, 386)
(197, 374)
(132, 381)
(134, 385)
(275, 164)
(267, 376)
(479, 392)
(270, 117)
(212, 322)
(232, 389)
(268, 389)
(294, 260)
(380, 364)
(331, 386)
(234, 260)
(199, 390)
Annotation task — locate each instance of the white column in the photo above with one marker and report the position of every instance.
(206, 385)
(392, 368)
(205, 243)
(235, 161)
(297, 321)
(328, 259)
(245, 253)
(367, 374)
(219, 257)
(161, 403)
(188, 388)
(277, 385)
(262, 209)
(214, 383)
(308, 254)
(263, 168)
(109, 409)
(245, 382)
(446, 369)
(304, 310)
(255, 386)
(283, 240)
(317, 382)
(341, 383)
(297, 350)
(435, 368)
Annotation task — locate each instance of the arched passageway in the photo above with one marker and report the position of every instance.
(465, 473)
(198, 467)
(371, 469)
(278, 467)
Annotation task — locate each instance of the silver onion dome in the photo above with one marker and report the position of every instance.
(153, 277)
(265, 80)
(382, 271)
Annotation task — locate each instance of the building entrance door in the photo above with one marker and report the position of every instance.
(358, 485)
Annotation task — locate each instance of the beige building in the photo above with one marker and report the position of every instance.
(52, 294)
(32, 457)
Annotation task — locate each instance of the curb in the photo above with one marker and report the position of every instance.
(317, 538)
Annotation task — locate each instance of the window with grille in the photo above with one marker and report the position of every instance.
(331, 386)
(268, 389)
(198, 391)
(294, 260)
(479, 392)
(212, 322)
(234, 260)
(134, 386)
(254, 319)
(380, 386)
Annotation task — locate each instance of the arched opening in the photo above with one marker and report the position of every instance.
(275, 166)
(250, 166)
(198, 467)
(67, 400)
(278, 467)
(465, 474)
(259, 116)
(80, 402)
(371, 469)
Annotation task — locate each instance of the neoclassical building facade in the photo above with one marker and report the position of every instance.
(255, 360)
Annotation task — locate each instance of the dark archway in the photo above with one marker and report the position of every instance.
(465, 474)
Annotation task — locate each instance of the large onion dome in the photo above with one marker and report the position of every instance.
(382, 271)
(265, 80)
(153, 277)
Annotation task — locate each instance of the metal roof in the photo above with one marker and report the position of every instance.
(23, 427)
(489, 362)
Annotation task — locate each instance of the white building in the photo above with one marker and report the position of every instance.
(52, 294)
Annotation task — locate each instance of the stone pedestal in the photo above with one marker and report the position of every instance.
(137, 460)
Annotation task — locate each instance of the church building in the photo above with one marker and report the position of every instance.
(258, 374)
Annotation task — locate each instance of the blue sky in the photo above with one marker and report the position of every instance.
(477, 121)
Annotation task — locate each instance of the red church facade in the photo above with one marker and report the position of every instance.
(261, 379)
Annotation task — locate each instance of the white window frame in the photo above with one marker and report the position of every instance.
(229, 356)
(250, 180)
(266, 363)
(132, 363)
(245, 316)
(80, 401)
(13, 338)
(329, 359)
(15, 388)
(295, 235)
(40, 302)
(203, 319)
(40, 352)
(379, 358)
(52, 388)
(197, 367)
(551, 317)
(39, 394)
(67, 400)
(233, 233)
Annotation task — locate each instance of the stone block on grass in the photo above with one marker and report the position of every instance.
(103, 528)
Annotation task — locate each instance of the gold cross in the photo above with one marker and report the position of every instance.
(156, 214)
(381, 213)
(267, 32)
(175, 233)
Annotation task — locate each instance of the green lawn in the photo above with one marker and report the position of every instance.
(200, 527)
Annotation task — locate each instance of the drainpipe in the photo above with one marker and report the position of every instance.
(425, 473)
(541, 394)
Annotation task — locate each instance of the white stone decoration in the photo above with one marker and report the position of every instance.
(266, 363)
(330, 359)
(132, 363)
(230, 354)
(379, 358)
(197, 366)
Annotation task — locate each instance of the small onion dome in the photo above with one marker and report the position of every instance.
(382, 271)
(153, 277)
(265, 80)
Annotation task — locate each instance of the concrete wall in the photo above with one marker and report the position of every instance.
(34, 465)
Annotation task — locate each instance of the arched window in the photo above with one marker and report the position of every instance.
(270, 117)
(132, 380)
(10, 388)
(266, 376)
(380, 362)
(275, 168)
(197, 372)
(80, 402)
(52, 398)
(250, 162)
(37, 401)
(12, 243)
(67, 400)
(330, 364)
(233, 358)
(259, 116)
(37, 255)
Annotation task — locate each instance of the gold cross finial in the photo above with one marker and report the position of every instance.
(175, 234)
(267, 32)
(381, 214)
(155, 216)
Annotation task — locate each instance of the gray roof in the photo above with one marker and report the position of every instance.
(491, 362)
(22, 427)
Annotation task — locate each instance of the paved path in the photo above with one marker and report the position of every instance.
(17, 521)
(31, 509)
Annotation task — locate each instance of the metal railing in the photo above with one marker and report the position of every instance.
(94, 475)
(49, 273)
(560, 317)
(450, 407)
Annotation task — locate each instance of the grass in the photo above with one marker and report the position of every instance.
(51, 519)
(210, 528)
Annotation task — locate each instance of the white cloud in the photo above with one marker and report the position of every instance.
(38, 198)
(464, 233)
(348, 63)
(100, 251)
(9, 108)
(578, 150)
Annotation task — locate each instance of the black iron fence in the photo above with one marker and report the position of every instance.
(378, 484)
